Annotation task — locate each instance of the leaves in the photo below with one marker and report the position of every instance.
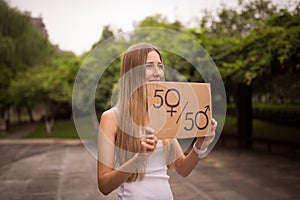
(252, 44)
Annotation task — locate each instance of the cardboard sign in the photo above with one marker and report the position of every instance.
(179, 109)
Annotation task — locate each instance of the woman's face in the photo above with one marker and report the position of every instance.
(154, 67)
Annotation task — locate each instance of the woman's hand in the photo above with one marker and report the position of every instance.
(203, 142)
(148, 141)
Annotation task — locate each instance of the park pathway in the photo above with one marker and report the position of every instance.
(21, 132)
(52, 169)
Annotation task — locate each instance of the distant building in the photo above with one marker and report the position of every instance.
(40, 26)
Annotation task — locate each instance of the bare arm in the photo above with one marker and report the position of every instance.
(110, 178)
(185, 164)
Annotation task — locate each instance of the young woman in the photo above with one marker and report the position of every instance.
(130, 157)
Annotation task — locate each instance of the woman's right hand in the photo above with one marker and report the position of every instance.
(148, 141)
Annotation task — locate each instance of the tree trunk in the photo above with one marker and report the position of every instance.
(8, 120)
(19, 115)
(49, 124)
(244, 116)
(29, 113)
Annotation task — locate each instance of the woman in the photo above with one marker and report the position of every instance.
(130, 157)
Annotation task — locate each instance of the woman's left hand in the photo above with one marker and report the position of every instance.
(203, 142)
(148, 141)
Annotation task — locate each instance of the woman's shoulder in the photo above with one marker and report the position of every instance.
(108, 115)
(108, 120)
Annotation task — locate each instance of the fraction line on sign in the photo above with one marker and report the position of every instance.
(182, 111)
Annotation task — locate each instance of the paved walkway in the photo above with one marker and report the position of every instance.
(23, 130)
(64, 170)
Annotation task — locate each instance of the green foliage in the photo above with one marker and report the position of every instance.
(21, 44)
(110, 76)
(246, 43)
(61, 75)
(21, 47)
(284, 114)
(99, 72)
(107, 83)
(264, 129)
(253, 44)
(106, 34)
(257, 43)
(50, 84)
(159, 21)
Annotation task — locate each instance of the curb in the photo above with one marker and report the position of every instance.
(44, 141)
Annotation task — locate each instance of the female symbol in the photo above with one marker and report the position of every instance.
(172, 106)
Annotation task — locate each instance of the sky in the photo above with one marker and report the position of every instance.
(75, 25)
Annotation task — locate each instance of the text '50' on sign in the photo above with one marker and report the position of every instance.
(179, 109)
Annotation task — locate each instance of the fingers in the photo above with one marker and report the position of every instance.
(205, 141)
(214, 124)
(148, 143)
(149, 131)
(210, 138)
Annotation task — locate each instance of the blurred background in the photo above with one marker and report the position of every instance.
(255, 45)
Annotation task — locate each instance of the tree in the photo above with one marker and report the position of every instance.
(96, 61)
(50, 85)
(21, 47)
(249, 46)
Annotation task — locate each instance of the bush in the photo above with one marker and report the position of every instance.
(284, 114)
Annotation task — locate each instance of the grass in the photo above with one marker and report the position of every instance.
(62, 129)
(66, 129)
(264, 129)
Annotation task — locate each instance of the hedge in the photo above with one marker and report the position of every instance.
(284, 114)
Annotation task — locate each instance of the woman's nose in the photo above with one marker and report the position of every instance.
(155, 69)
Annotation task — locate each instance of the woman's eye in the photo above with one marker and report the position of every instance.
(149, 65)
(160, 66)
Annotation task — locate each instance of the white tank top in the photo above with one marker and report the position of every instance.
(155, 184)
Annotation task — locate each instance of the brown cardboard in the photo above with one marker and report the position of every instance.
(179, 109)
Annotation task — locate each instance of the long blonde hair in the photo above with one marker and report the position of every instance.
(132, 104)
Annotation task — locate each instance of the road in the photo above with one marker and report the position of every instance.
(64, 170)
